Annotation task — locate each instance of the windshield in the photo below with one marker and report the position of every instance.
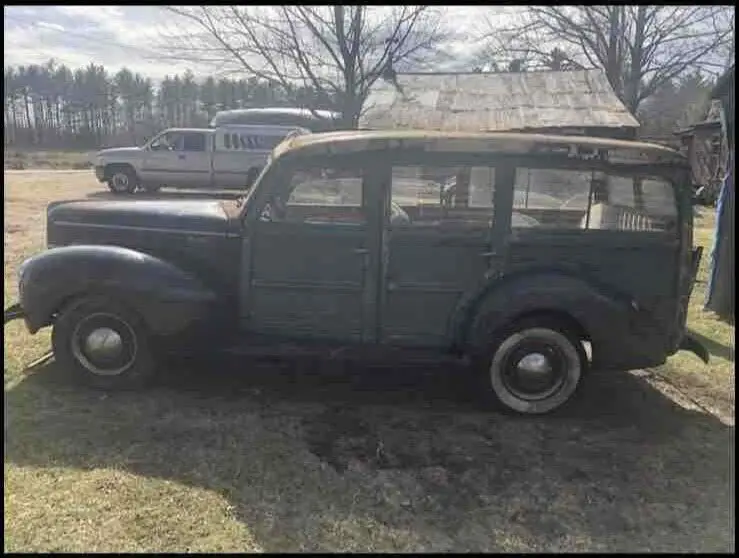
(242, 199)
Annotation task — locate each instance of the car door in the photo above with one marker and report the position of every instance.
(442, 241)
(178, 159)
(159, 166)
(194, 155)
(310, 252)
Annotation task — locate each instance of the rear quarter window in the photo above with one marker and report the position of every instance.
(592, 199)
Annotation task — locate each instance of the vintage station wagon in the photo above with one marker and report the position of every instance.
(515, 252)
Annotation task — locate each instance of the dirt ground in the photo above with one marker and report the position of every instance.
(234, 455)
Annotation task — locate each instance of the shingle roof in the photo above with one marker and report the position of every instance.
(479, 102)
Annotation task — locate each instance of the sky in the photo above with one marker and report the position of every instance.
(117, 36)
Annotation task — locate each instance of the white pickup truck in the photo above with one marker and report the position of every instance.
(225, 157)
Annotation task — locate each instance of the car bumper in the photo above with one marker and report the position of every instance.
(100, 173)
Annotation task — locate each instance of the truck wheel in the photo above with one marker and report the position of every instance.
(534, 367)
(103, 344)
(123, 180)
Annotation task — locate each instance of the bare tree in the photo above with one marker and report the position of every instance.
(337, 51)
(640, 48)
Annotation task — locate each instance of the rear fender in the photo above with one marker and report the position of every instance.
(600, 313)
(168, 298)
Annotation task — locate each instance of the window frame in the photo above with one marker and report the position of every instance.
(638, 171)
(279, 181)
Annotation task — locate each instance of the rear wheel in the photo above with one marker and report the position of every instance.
(535, 367)
(123, 180)
(103, 344)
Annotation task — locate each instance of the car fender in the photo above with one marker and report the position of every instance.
(168, 298)
(600, 311)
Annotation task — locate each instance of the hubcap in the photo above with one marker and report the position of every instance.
(120, 181)
(104, 344)
(534, 374)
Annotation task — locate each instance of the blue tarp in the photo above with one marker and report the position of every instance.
(715, 251)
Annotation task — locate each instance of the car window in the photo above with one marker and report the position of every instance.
(251, 141)
(193, 141)
(319, 196)
(591, 199)
(442, 196)
(637, 203)
(166, 142)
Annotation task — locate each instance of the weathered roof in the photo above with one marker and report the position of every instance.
(492, 102)
(504, 142)
(711, 121)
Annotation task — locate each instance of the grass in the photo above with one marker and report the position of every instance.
(250, 456)
(57, 160)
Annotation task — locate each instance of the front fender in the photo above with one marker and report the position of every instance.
(601, 312)
(168, 298)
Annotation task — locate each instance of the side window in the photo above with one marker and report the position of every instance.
(576, 199)
(442, 196)
(235, 141)
(175, 141)
(636, 204)
(551, 198)
(167, 142)
(193, 141)
(227, 141)
(319, 196)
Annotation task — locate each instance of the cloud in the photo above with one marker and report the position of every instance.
(117, 36)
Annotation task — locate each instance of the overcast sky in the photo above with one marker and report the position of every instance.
(117, 36)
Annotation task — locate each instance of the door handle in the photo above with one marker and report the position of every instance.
(361, 251)
(181, 156)
(488, 254)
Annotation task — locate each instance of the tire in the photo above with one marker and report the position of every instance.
(534, 367)
(98, 320)
(123, 180)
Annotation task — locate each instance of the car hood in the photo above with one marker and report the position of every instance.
(184, 216)
(119, 152)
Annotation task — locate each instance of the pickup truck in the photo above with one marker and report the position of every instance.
(225, 157)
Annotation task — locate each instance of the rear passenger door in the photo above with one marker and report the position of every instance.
(440, 245)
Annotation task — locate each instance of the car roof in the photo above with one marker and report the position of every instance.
(352, 141)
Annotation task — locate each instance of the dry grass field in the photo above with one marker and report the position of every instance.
(255, 456)
(20, 159)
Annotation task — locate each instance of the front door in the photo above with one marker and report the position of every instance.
(179, 158)
(441, 246)
(310, 255)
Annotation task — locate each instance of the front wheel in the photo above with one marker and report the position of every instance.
(103, 344)
(536, 367)
(123, 181)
